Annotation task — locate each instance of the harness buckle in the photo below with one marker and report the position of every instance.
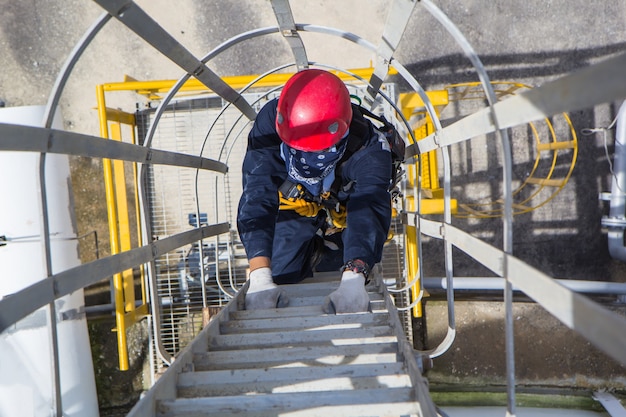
(291, 190)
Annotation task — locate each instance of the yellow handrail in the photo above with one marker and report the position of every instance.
(126, 311)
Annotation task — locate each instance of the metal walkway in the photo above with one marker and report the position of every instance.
(296, 361)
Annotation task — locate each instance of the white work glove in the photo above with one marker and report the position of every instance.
(263, 293)
(350, 297)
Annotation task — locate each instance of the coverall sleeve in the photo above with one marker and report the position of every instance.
(263, 172)
(369, 205)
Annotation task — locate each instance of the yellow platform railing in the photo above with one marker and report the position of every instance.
(127, 309)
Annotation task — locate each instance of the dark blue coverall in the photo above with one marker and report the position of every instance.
(286, 237)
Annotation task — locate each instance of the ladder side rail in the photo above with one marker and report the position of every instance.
(596, 84)
(35, 139)
(143, 192)
(224, 154)
(417, 218)
(600, 326)
(26, 301)
(284, 17)
(398, 18)
(410, 357)
(138, 21)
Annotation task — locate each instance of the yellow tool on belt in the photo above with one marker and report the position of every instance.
(311, 209)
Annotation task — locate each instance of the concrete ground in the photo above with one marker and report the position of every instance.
(531, 42)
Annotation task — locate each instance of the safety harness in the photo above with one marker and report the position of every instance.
(294, 196)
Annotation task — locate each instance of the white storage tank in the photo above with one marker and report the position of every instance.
(26, 387)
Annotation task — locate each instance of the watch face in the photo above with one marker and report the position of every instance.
(358, 266)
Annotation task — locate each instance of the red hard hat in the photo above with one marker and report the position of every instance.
(314, 110)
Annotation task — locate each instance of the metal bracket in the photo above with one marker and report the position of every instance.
(614, 222)
(610, 403)
(437, 138)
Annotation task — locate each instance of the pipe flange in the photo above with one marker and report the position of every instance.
(615, 222)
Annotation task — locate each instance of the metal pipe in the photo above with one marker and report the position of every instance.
(617, 212)
(109, 309)
(497, 284)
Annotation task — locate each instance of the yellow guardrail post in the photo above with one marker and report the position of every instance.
(126, 313)
(119, 178)
(109, 188)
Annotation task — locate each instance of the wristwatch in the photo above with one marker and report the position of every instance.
(358, 266)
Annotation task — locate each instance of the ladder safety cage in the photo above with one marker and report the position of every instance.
(225, 359)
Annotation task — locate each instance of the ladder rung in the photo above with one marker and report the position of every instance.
(314, 310)
(340, 383)
(293, 381)
(190, 379)
(297, 356)
(304, 323)
(370, 402)
(378, 306)
(328, 276)
(378, 334)
(311, 302)
(310, 290)
(319, 300)
(319, 288)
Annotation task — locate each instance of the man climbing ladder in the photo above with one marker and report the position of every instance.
(313, 166)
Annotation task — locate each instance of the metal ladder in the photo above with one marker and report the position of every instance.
(296, 361)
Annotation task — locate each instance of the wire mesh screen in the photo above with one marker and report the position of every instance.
(394, 274)
(181, 199)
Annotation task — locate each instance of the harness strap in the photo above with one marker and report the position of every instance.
(311, 209)
(299, 205)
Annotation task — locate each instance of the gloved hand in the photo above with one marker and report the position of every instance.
(350, 297)
(263, 292)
